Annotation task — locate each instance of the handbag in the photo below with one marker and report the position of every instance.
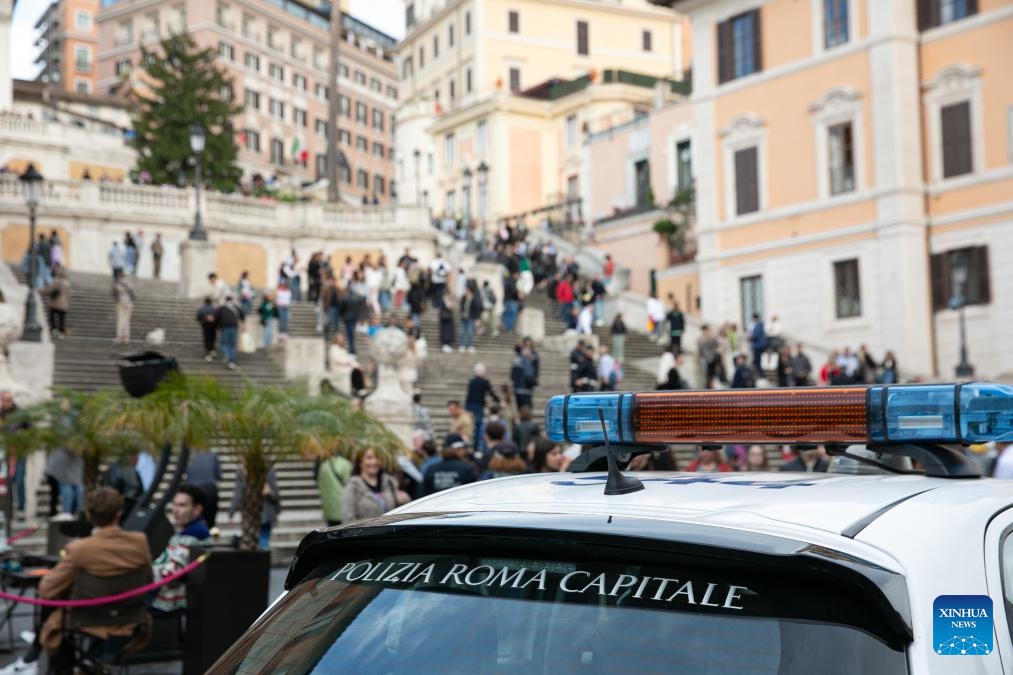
(247, 345)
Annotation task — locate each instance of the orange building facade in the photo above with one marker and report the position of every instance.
(277, 55)
(853, 165)
(68, 45)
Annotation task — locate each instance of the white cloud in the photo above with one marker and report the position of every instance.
(23, 34)
(385, 15)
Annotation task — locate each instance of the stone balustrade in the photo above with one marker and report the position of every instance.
(251, 233)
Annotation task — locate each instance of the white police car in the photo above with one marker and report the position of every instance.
(680, 573)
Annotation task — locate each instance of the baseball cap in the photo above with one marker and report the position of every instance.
(455, 441)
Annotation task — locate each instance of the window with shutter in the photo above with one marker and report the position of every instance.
(724, 52)
(582, 47)
(932, 13)
(847, 289)
(978, 291)
(947, 289)
(955, 125)
(646, 41)
(740, 47)
(747, 192)
(515, 22)
(842, 158)
(940, 281)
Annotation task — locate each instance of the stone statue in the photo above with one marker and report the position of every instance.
(389, 403)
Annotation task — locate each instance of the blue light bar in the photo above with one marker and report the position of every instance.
(939, 413)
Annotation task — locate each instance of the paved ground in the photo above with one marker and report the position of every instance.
(22, 620)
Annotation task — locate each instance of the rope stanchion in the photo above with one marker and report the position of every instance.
(108, 599)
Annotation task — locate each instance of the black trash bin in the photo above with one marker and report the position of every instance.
(141, 373)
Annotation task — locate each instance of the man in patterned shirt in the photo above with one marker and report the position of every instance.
(188, 513)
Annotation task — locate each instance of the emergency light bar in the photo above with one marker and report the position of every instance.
(940, 413)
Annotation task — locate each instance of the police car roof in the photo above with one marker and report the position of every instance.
(816, 507)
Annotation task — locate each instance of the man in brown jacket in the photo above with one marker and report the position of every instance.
(108, 552)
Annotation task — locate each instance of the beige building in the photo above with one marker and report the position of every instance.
(277, 54)
(504, 90)
(634, 171)
(68, 45)
(855, 179)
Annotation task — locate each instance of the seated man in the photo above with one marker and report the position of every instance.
(108, 552)
(188, 506)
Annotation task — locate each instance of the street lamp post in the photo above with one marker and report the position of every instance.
(418, 193)
(466, 195)
(483, 197)
(964, 369)
(197, 233)
(32, 182)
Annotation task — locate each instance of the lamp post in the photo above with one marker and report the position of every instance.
(964, 369)
(483, 196)
(466, 195)
(418, 194)
(198, 233)
(32, 182)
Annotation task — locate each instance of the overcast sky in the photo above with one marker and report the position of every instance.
(387, 15)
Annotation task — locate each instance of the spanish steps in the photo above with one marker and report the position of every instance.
(87, 360)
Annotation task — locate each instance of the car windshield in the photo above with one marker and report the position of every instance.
(470, 614)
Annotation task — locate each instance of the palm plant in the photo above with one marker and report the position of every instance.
(263, 425)
(269, 424)
(82, 423)
(183, 411)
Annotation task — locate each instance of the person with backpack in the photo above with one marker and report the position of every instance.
(332, 476)
(123, 477)
(522, 377)
(471, 311)
(744, 377)
(59, 303)
(227, 318)
(206, 319)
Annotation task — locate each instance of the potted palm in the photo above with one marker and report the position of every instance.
(267, 424)
(84, 424)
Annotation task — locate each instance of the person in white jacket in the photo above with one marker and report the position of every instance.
(374, 280)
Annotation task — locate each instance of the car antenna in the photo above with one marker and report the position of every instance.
(617, 483)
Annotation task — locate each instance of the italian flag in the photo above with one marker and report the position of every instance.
(299, 153)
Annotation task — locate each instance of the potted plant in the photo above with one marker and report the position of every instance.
(675, 229)
(84, 424)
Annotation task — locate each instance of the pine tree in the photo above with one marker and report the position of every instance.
(186, 88)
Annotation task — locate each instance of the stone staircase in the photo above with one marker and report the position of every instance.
(445, 376)
(86, 360)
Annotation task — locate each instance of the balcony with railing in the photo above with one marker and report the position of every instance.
(555, 89)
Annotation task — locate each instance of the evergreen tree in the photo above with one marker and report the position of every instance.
(185, 89)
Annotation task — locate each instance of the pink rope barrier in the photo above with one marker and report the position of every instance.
(107, 599)
(23, 533)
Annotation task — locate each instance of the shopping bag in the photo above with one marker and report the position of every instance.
(247, 345)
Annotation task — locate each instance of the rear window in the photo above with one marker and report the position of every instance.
(472, 614)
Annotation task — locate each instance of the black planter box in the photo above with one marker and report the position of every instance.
(224, 597)
(141, 373)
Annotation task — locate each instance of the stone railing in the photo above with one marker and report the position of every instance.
(241, 206)
(224, 212)
(91, 214)
(143, 195)
(364, 215)
(21, 125)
